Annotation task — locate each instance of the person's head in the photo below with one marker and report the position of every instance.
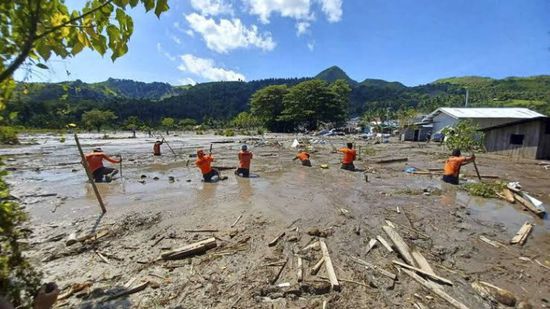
(200, 153)
(456, 153)
(350, 145)
(157, 142)
(244, 148)
(97, 149)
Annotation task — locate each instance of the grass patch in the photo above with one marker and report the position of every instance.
(484, 189)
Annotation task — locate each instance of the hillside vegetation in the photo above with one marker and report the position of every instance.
(46, 105)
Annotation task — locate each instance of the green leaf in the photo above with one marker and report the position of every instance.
(133, 3)
(42, 66)
(121, 3)
(162, 6)
(149, 4)
(44, 51)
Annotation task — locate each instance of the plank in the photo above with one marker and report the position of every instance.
(372, 244)
(384, 243)
(508, 195)
(522, 234)
(400, 244)
(435, 289)
(328, 265)
(489, 241)
(427, 274)
(276, 239)
(191, 249)
(528, 205)
(317, 266)
(300, 270)
(421, 261)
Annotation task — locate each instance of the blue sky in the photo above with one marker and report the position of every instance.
(411, 41)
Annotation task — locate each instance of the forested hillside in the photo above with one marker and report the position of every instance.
(53, 105)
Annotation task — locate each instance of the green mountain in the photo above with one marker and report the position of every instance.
(55, 104)
(334, 73)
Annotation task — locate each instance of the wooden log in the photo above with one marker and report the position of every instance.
(425, 273)
(435, 289)
(89, 174)
(310, 246)
(384, 243)
(300, 270)
(391, 160)
(372, 244)
(276, 239)
(376, 268)
(191, 249)
(522, 234)
(421, 261)
(400, 244)
(317, 266)
(494, 293)
(528, 205)
(508, 195)
(328, 265)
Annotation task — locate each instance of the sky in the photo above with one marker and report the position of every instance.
(410, 41)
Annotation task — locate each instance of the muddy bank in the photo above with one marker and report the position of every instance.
(243, 271)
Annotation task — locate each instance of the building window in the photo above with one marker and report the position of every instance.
(516, 139)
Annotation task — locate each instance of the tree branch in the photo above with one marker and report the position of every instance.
(72, 20)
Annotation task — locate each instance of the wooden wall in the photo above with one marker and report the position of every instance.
(498, 140)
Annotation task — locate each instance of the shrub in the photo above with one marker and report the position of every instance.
(485, 189)
(8, 135)
(228, 132)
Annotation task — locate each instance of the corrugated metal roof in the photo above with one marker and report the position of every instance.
(490, 112)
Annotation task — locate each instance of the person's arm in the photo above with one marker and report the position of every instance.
(468, 160)
(111, 159)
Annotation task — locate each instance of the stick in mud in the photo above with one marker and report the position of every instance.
(279, 272)
(328, 265)
(236, 221)
(89, 174)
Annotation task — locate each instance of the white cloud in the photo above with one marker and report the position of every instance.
(311, 46)
(212, 7)
(165, 53)
(302, 27)
(206, 69)
(175, 39)
(178, 27)
(229, 34)
(190, 33)
(187, 81)
(332, 9)
(296, 9)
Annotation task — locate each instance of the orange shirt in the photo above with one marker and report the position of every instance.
(95, 160)
(244, 158)
(349, 155)
(452, 166)
(302, 155)
(204, 163)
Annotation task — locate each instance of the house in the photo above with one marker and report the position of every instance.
(483, 117)
(418, 131)
(526, 138)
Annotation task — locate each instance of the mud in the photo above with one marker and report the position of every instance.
(145, 219)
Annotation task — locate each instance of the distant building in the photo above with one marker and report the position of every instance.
(418, 131)
(516, 132)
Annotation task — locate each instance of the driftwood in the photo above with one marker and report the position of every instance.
(425, 273)
(317, 266)
(276, 239)
(328, 265)
(435, 289)
(384, 243)
(300, 270)
(490, 242)
(522, 234)
(372, 244)
(191, 249)
(236, 221)
(378, 269)
(310, 246)
(422, 262)
(137, 288)
(400, 244)
(508, 195)
(494, 293)
(279, 272)
(528, 205)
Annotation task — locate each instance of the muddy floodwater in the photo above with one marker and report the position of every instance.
(158, 204)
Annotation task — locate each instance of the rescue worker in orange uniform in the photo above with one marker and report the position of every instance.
(452, 166)
(156, 147)
(95, 164)
(204, 163)
(245, 157)
(303, 157)
(349, 157)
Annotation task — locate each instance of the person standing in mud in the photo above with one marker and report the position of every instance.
(156, 147)
(303, 156)
(452, 166)
(349, 156)
(95, 163)
(245, 157)
(204, 163)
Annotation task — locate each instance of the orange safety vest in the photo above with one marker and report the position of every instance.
(245, 157)
(203, 163)
(452, 166)
(302, 155)
(349, 155)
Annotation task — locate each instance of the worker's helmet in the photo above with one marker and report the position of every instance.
(244, 147)
(200, 153)
(98, 149)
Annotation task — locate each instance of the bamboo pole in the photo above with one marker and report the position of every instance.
(89, 174)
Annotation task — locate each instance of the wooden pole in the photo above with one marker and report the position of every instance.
(475, 166)
(90, 177)
(170, 147)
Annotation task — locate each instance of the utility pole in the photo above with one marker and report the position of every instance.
(466, 99)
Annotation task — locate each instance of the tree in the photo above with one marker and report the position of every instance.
(245, 120)
(187, 123)
(168, 123)
(405, 117)
(465, 135)
(39, 29)
(132, 123)
(96, 118)
(267, 105)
